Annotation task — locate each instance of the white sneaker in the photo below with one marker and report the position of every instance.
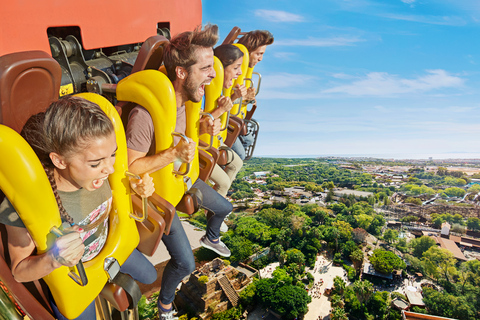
(223, 227)
(169, 315)
(219, 247)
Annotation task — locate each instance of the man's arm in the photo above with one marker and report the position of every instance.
(224, 105)
(140, 163)
(139, 138)
(210, 127)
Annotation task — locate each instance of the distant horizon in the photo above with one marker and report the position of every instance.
(391, 79)
(413, 156)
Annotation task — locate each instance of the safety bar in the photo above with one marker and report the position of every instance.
(226, 122)
(187, 169)
(252, 85)
(144, 201)
(81, 277)
(211, 137)
(259, 81)
(241, 98)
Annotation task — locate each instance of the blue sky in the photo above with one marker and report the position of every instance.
(396, 78)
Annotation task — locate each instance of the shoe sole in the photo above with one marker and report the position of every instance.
(213, 249)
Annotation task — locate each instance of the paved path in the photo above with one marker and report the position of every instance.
(319, 308)
(194, 234)
(324, 270)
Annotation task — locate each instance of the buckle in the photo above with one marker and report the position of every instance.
(188, 182)
(112, 267)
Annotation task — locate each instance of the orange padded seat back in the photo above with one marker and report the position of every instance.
(20, 95)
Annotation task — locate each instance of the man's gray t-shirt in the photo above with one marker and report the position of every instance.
(140, 132)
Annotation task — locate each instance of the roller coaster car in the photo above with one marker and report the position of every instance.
(244, 119)
(29, 82)
(230, 126)
(157, 96)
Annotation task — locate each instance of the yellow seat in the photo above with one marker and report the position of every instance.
(212, 92)
(122, 239)
(236, 110)
(26, 185)
(153, 90)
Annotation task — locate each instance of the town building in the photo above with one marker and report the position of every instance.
(357, 194)
(213, 288)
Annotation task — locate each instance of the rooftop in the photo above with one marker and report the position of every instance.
(370, 270)
(451, 246)
(407, 315)
(415, 298)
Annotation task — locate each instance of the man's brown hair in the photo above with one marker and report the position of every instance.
(181, 49)
(257, 38)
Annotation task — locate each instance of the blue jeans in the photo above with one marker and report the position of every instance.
(182, 261)
(181, 264)
(247, 140)
(137, 266)
(217, 206)
(239, 149)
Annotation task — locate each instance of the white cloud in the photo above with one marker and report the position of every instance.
(408, 1)
(284, 55)
(458, 109)
(342, 75)
(278, 16)
(384, 84)
(438, 20)
(319, 42)
(381, 109)
(286, 80)
(284, 95)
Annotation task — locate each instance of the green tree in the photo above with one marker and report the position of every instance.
(447, 305)
(416, 201)
(455, 192)
(363, 220)
(247, 295)
(439, 261)
(230, 314)
(473, 223)
(241, 247)
(390, 235)
(253, 230)
(420, 245)
(295, 256)
(336, 301)
(338, 314)
(474, 188)
(357, 258)
(288, 300)
(338, 285)
(363, 290)
(437, 222)
(375, 227)
(378, 304)
(386, 261)
(344, 228)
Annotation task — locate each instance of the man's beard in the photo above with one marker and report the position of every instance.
(191, 90)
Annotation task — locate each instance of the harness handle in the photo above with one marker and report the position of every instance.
(211, 137)
(187, 169)
(144, 201)
(81, 277)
